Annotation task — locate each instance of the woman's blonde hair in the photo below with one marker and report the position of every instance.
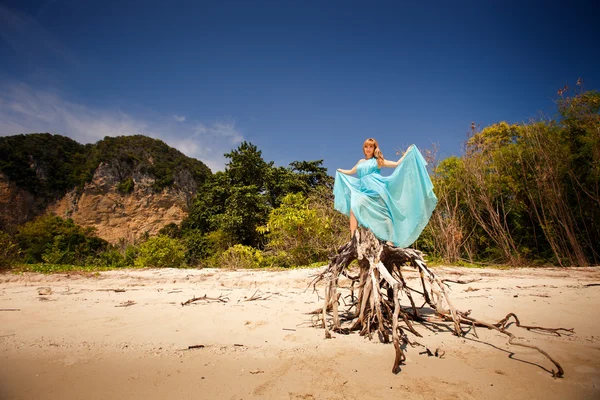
(376, 152)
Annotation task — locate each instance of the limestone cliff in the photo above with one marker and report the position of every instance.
(119, 216)
(124, 187)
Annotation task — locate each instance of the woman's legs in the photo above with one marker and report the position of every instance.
(353, 224)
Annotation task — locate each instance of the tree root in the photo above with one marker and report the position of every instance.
(379, 288)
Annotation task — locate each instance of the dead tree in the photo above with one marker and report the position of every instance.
(380, 287)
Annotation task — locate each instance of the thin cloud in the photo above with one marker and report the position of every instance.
(179, 118)
(219, 131)
(24, 109)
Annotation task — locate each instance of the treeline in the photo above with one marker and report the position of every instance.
(256, 214)
(523, 194)
(252, 214)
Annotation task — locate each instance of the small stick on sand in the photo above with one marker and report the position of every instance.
(194, 299)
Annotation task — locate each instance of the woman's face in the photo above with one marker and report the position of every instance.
(369, 149)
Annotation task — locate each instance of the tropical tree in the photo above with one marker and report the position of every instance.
(303, 230)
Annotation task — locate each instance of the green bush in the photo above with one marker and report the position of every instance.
(44, 164)
(203, 249)
(114, 258)
(240, 256)
(171, 230)
(304, 230)
(197, 247)
(56, 253)
(54, 240)
(131, 253)
(160, 252)
(126, 186)
(280, 259)
(9, 250)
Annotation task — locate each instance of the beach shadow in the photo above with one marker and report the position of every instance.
(511, 354)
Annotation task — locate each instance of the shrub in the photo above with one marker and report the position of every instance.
(197, 247)
(55, 240)
(126, 186)
(9, 250)
(113, 258)
(240, 256)
(160, 252)
(304, 230)
(131, 253)
(280, 259)
(171, 230)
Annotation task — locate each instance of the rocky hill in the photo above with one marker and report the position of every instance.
(123, 186)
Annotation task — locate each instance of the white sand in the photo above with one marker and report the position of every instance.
(75, 343)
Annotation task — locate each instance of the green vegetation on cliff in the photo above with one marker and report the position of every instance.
(50, 165)
(150, 156)
(45, 165)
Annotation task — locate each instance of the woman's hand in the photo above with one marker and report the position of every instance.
(349, 171)
(393, 164)
(405, 153)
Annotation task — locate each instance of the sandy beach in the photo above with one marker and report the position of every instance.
(126, 335)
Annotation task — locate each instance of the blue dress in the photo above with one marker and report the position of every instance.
(395, 208)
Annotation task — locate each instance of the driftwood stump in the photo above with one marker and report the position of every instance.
(380, 289)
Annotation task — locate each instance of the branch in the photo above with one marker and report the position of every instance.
(194, 299)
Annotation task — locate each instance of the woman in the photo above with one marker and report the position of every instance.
(395, 208)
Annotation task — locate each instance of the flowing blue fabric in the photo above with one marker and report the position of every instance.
(395, 208)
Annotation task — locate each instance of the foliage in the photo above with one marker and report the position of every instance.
(304, 230)
(290, 228)
(447, 235)
(114, 257)
(237, 201)
(299, 177)
(45, 268)
(9, 250)
(147, 155)
(197, 247)
(523, 193)
(55, 240)
(126, 186)
(312, 174)
(209, 202)
(240, 256)
(280, 182)
(171, 230)
(245, 209)
(246, 167)
(160, 252)
(44, 164)
(60, 244)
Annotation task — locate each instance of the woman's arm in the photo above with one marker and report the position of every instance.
(350, 171)
(393, 164)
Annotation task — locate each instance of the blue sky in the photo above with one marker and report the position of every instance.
(303, 80)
